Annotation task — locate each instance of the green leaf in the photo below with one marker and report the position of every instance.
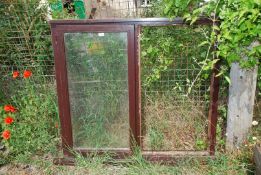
(213, 62)
(193, 20)
(187, 16)
(228, 80)
(203, 43)
(258, 2)
(220, 73)
(168, 6)
(215, 27)
(150, 49)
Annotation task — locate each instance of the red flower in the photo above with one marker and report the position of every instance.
(9, 108)
(6, 134)
(9, 120)
(27, 74)
(16, 74)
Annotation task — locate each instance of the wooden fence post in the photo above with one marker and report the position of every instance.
(240, 104)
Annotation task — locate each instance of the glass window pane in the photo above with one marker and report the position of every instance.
(97, 65)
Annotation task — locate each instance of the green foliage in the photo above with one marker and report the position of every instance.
(227, 164)
(54, 1)
(157, 55)
(26, 44)
(34, 127)
(240, 25)
(163, 55)
(201, 144)
(156, 138)
(25, 36)
(173, 68)
(174, 8)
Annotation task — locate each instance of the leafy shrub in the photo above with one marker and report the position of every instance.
(34, 129)
(239, 26)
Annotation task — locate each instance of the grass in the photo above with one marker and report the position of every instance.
(103, 122)
(174, 99)
(222, 164)
(33, 131)
(168, 124)
(40, 160)
(173, 122)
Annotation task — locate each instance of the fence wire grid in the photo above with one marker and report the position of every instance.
(25, 43)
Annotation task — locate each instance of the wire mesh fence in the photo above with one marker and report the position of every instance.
(25, 35)
(25, 43)
(174, 98)
(121, 9)
(174, 93)
(169, 64)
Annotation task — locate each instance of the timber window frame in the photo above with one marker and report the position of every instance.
(133, 28)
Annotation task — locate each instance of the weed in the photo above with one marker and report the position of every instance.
(172, 124)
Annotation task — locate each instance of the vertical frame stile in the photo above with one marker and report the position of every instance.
(132, 86)
(138, 86)
(62, 90)
(213, 107)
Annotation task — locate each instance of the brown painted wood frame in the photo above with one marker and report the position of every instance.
(133, 27)
(62, 81)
